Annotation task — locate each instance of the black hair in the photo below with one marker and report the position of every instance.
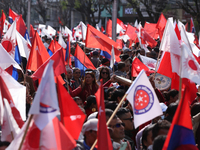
(117, 93)
(161, 124)
(110, 89)
(121, 65)
(90, 100)
(171, 93)
(109, 113)
(159, 142)
(111, 105)
(121, 111)
(4, 143)
(170, 112)
(145, 134)
(195, 109)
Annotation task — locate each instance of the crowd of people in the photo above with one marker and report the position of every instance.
(82, 86)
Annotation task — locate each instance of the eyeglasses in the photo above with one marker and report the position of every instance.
(131, 119)
(118, 125)
(104, 72)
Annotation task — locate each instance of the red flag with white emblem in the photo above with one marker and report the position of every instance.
(71, 115)
(137, 66)
(104, 140)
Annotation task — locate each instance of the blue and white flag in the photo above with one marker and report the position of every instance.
(143, 99)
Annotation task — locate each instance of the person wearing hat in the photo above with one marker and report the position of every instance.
(89, 131)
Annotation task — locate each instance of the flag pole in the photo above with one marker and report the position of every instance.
(26, 130)
(157, 64)
(111, 117)
(180, 79)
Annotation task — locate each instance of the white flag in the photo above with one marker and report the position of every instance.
(112, 60)
(61, 41)
(45, 103)
(143, 99)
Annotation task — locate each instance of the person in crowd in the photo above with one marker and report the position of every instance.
(76, 77)
(170, 112)
(104, 74)
(47, 42)
(91, 105)
(95, 59)
(89, 131)
(88, 87)
(127, 118)
(4, 145)
(121, 70)
(146, 139)
(117, 95)
(117, 135)
(69, 76)
(158, 142)
(78, 101)
(171, 96)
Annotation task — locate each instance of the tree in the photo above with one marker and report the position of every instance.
(152, 7)
(192, 7)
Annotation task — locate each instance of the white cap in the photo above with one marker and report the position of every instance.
(92, 115)
(91, 124)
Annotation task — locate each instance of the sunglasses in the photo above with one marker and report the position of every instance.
(131, 119)
(104, 72)
(118, 125)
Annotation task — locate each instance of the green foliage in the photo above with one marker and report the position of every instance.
(77, 4)
(64, 4)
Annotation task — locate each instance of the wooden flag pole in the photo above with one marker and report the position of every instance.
(157, 64)
(111, 117)
(26, 130)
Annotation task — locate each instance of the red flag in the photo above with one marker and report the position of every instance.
(58, 65)
(161, 25)
(71, 115)
(151, 29)
(21, 26)
(60, 22)
(12, 15)
(38, 54)
(32, 34)
(2, 20)
(6, 94)
(165, 67)
(130, 31)
(145, 37)
(137, 66)
(54, 46)
(96, 39)
(103, 136)
(109, 28)
(63, 138)
(68, 52)
(102, 29)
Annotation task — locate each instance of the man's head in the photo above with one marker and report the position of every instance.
(160, 128)
(117, 127)
(121, 66)
(90, 131)
(126, 117)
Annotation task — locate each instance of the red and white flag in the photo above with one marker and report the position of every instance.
(149, 62)
(15, 93)
(9, 40)
(9, 127)
(190, 67)
(143, 99)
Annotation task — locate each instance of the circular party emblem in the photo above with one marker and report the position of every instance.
(144, 99)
